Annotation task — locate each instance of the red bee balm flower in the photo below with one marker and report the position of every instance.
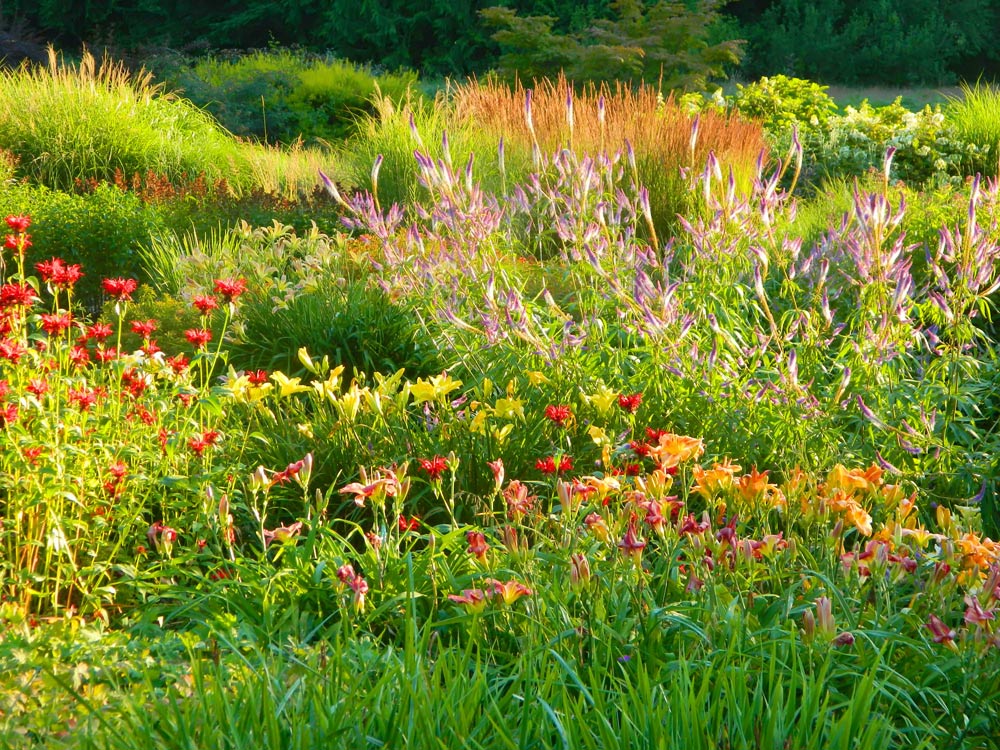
(558, 414)
(434, 467)
(58, 274)
(144, 328)
(19, 223)
(205, 303)
(84, 397)
(17, 295)
(230, 289)
(199, 337)
(120, 289)
(408, 524)
(8, 414)
(630, 403)
(549, 464)
(55, 323)
(99, 331)
(11, 350)
(79, 356)
(178, 363)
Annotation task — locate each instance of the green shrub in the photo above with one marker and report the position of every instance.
(103, 230)
(282, 95)
(780, 103)
(329, 98)
(355, 324)
(928, 150)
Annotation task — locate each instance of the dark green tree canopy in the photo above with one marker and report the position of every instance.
(667, 42)
(894, 42)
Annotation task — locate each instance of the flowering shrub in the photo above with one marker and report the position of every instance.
(927, 150)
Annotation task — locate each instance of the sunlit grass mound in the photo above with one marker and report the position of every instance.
(976, 117)
(69, 122)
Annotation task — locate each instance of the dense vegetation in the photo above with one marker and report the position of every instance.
(895, 42)
(583, 417)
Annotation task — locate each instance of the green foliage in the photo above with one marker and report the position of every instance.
(354, 324)
(780, 102)
(665, 43)
(103, 230)
(927, 149)
(282, 95)
(904, 42)
(303, 294)
(931, 147)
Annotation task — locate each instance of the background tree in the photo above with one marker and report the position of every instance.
(667, 42)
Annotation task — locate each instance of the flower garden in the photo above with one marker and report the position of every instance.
(607, 432)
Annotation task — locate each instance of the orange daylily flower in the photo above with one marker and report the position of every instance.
(714, 481)
(860, 518)
(672, 450)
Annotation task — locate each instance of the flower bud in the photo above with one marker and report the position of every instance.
(579, 571)
(824, 616)
(808, 625)
(844, 639)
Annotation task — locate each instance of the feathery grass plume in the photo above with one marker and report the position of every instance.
(598, 118)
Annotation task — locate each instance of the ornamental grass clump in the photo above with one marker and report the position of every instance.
(596, 121)
(975, 116)
(514, 132)
(77, 122)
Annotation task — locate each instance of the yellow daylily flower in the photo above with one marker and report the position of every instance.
(656, 485)
(536, 378)
(287, 386)
(239, 386)
(509, 408)
(478, 424)
(598, 435)
(500, 435)
(348, 404)
(437, 387)
(330, 388)
(603, 399)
